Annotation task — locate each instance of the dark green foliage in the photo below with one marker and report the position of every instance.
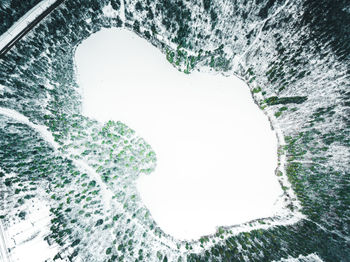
(74, 254)
(99, 222)
(8, 182)
(115, 4)
(22, 214)
(75, 242)
(147, 34)
(176, 17)
(57, 256)
(136, 26)
(332, 24)
(138, 7)
(322, 113)
(274, 100)
(206, 4)
(256, 90)
(150, 14)
(92, 183)
(213, 17)
(108, 251)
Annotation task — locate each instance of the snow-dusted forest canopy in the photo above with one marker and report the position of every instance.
(76, 175)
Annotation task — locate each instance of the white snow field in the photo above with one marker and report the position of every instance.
(216, 152)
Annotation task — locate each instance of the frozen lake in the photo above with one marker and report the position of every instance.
(216, 153)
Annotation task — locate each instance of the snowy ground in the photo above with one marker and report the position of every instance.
(27, 237)
(24, 240)
(216, 152)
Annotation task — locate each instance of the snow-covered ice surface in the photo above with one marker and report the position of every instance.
(216, 152)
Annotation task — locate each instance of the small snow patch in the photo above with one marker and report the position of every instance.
(108, 11)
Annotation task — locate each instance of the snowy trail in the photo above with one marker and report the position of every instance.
(122, 11)
(42, 130)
